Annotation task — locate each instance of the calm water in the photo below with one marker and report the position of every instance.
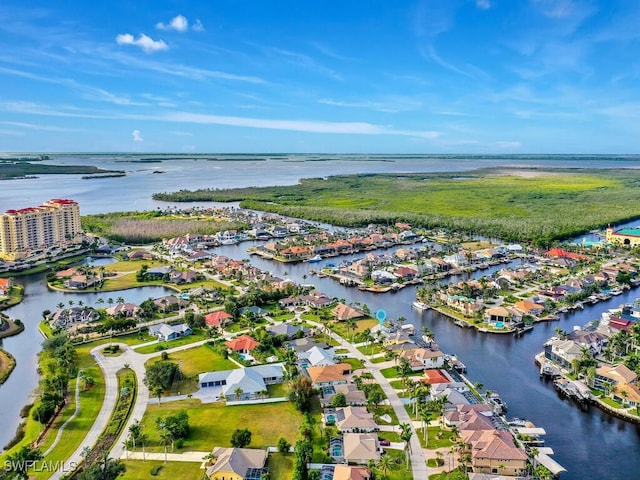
(591, 445)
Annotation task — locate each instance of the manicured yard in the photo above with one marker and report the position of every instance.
(280, 465)
(370, 349)
(213, 424)
(433, 442)
(392, 372)
(361, 325)
(138, 470)
(198, 360)
(356, 363)
(196, 336)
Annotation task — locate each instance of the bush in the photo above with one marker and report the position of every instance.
(179, 443)
(155, 470)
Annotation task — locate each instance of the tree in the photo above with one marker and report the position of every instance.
(283, 445)
(104, 469)
(162, 374)
(301, 392)
(19, 462)
(384, 465)
(237, 392)
(166, 438)
(339, 400)
(406, 434)
(240, 438)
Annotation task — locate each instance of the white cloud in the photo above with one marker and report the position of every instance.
(483, 4)
(146, 43)
(179, 23)
(136, 136)
(508, 144)
(197, 26)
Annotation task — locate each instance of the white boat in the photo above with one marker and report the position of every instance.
(315, 259)
(229, 241)
(420, 305)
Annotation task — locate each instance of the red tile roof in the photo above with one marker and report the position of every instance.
(243, 342)
(215, 319)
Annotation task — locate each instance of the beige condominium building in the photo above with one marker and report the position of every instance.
(32, 229)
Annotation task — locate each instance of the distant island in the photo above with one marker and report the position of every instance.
(24, 168)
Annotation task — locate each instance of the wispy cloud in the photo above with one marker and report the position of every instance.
(392, 105)
(507, 144)
(32, 126)
(309, 126)
(179, 23)
(306, 62)
(181, 134)
(137, 137)
(483, 4)
(146, 43)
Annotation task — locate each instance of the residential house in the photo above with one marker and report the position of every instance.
(254, 311)
(595, 341)
(127, 310)
(361, 447)
(288, 330)
(627, 394)
(80, 282)
(329, 375)
(237, 464)
(5, 286)
(613, 375)
(140, 255)
(317, 357)
(306, 343)
(343, 312)
(170, 303)
(351, 472)
(562, 352)
(65, 318)
(527, 307)
(242, 383)
(243, 344)
(423, 358)
(217, 319)
(406, 273)
(180, 277)
(158, 272)
(352, 394)
(166, 332)
(351, 419)
(501, 315)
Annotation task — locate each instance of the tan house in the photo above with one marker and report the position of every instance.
(236, 463)
(344, 312)
(361, 447)
(423, 358)
(528, 307)
(350, 472)
(350, 419)
(494, 452)
(324, 376)
(618, 375)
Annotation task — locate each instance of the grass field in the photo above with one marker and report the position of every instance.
(515, 204)
(213, 424)
(138, 470)
(196, 336)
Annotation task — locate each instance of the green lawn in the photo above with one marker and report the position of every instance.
(280, 465)
(213, 424)
(378, 359)
(199, 360)
(438, 438)
(370, 349)
(361, 325)
(392, 372)
(196, 336)
(138, 470)
(356, 363)
(74, 433)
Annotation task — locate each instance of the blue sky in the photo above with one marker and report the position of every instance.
(334, 76)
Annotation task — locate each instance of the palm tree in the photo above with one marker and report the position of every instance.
(157, 392)
(143, 439)
(166, 438)
(384, 465)
(426, 416)
(238, 393)
(406, 434)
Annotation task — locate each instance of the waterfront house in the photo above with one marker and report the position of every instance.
(627, 394)
(170, 303)
(562, 352)
(527, 307)
(68, 317)
(126, 310)
(140, 254)
(361, 447)
(5, 286)
(342, 312)
(158, 272)
(181, 277)
(498, 316)
(243, 344)
(237, 464)
(423, 358)
(217, 319)
(166, 332)
(494, 452)
(613, 375)
(594, 341)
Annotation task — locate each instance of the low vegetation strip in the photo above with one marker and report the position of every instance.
(534, 204)
(153, 226)
(7, 364)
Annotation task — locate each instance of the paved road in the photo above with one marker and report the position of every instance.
(418, 460)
